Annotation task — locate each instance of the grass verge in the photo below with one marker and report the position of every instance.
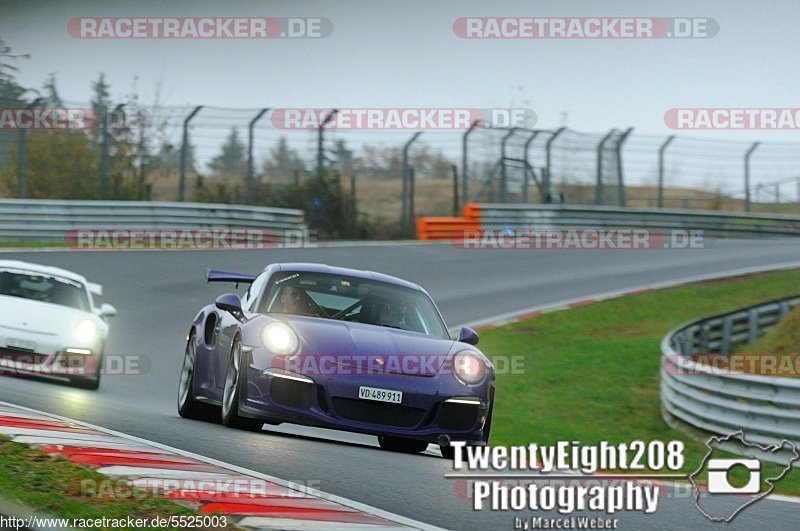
(52, 484)
(592, 373)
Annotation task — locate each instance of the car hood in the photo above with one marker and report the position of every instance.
(368, 348)
(36, 317)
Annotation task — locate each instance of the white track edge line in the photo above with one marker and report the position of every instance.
(368, 509)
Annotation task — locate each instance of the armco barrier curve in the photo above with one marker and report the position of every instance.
(720, 402)
(509, 217)
(49, 220)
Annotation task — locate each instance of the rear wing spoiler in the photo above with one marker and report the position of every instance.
(223, 276)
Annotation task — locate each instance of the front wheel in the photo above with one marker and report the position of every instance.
(188, 405)
(90, 383)
(231, 394)
(398, 444)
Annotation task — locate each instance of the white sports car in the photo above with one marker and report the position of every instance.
(49, 323)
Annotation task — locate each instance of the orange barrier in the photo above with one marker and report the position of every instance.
(449, 228)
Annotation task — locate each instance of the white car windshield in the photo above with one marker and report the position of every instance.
(353, 299)
(43, 288)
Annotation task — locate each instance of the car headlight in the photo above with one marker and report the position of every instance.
(86, 331)
(469, 367)
(280, 339)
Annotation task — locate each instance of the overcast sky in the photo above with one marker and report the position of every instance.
(406, 54)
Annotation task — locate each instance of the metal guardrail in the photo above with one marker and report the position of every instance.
(49, 220)
(720, 402)
(712, 223)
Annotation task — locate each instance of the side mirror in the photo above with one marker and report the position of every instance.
(468, 335)
(231, 303)
(106, 310)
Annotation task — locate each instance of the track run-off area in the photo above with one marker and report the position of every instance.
(157, 293)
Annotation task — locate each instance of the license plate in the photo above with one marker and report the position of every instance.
(381, 395)
(20, 344)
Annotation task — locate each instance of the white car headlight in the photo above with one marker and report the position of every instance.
(279, 339)
(86, 331)
(469, 367)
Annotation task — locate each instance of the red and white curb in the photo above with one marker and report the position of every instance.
(249, 499)
(534, 311)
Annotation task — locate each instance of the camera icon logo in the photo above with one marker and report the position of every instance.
(719, 483)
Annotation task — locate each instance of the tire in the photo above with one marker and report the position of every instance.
(232, 393)
(188, 406)
(487, 427)
(398, 444)
(449, 453)
(90, 383)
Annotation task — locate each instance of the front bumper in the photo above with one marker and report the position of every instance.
(65, 363)
(431, 407)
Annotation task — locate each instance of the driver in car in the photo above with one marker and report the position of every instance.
(393, 315)
(290, 301)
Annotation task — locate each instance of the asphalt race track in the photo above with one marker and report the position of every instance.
(157, 294)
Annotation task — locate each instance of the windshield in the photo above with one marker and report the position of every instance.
(353, 299)
(43, 288)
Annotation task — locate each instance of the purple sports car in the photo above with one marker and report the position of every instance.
(336, 348)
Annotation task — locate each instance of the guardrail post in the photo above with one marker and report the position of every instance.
(705, 334)
(620, 179)
(528, 143)
(22, 157)
(752, 325)
(661, 151)
(464, 167)
(503, 175)
(321, 143)
(185, 153)
(546, 178)
(405, 220)
(598, 187)
(725, 340)
(777, 198)
(250, 169)
(753, 147)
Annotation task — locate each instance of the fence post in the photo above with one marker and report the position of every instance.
(411, 200)
(321, 143)
(404, 216)
(503, 175)
(464, 168)
(620, 176)
(661, 151)
(528, 143)
(599, 198)
(753, 147)
(546, 195)
(455, 190)
(22, 157)
(185, 153)
(777, 198)
(250, 169)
